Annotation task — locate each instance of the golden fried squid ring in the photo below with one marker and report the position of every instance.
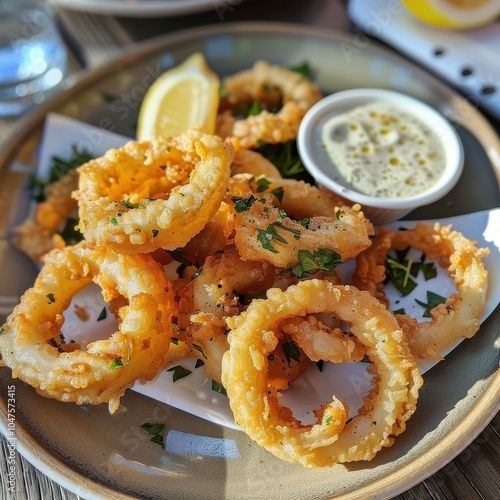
(332, 439)
(270, 86)
(298, 199)
(264, 233)
(102, 372)
(211, 297)
(458, 316)
(38, 234)
(128, 202)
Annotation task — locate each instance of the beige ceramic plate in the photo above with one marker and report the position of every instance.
(101, 456)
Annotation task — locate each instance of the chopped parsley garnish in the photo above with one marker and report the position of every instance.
(51, 298)
(118, 363)
(174, 340)
(319, 364)
(286, 159)
(279, 193)
(102, 314)
(328, 420)
(199, 363)
(179, 372)
(59, 168)
(265, 238)
(401, 270)
(243, 204)
(178, 257)
(291, 351)
(433, 300)
(113, 221)
(218, 388)
(1, 330)
(262, 184)
(155, 233)
(155, 429)
(304, 69)
(199, 349)
(322, 259)
(399, 311)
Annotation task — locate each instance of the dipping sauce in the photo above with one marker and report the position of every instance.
(381, 150)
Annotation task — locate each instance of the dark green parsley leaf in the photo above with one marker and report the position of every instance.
(158, 439)
(270, 234)
(304, 69)
(304, 222)
(291, 351)
(117, 363)
(322, 259)
(262, 184)
(319, 364)
(279, 192)
(51, 298)
(102, 314)
(218, 388)
(199, 349)
(199, 363)
(178, 257)
(243, 204)
(328, 420)
(433, 300)
(399, 311)
(153, 427)
(1, 330)
(286, 159)
(399, 273)
(179, 372)
(155, 233)
(174, 340)
(114, 221)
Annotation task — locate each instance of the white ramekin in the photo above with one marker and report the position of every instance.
(320, 166)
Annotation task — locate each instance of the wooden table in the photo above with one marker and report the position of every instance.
(475, 473)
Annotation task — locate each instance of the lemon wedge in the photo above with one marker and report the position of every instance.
(181, 98)
(454, 14)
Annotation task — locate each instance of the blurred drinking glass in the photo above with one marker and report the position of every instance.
(32, 54)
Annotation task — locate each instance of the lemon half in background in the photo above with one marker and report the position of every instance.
(454, 14)
(181, 98)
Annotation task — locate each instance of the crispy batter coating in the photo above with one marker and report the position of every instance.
(270, 85)
(105, 368)
(152, 195)
(332, 439)
(458, 316)
(264, 233)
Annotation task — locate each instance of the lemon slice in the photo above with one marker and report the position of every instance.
(454, 14)
(181, 98)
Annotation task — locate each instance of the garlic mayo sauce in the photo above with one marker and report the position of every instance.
(383, 151)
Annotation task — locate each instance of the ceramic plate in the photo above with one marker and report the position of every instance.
(98, 455)
(142, 8)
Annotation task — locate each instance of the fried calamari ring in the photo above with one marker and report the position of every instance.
(298, 199)
(270, 86)
(38, 234)
(458, 316)
(264, 233)
(332, 439)
(211, 297)
(106, 368)
(131, 200)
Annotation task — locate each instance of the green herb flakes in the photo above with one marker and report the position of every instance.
(179, 372)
